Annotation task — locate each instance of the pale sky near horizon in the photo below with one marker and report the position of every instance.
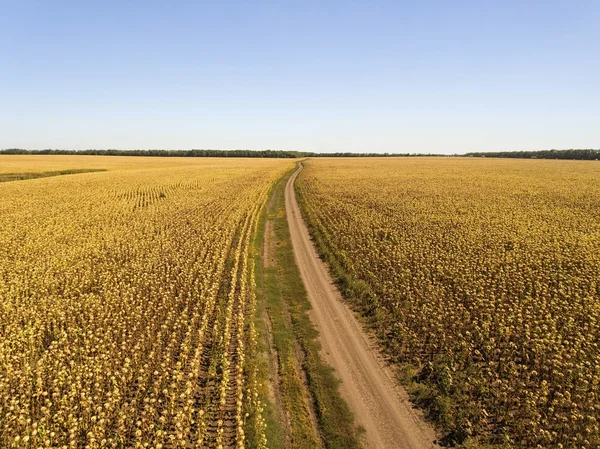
(427, 76)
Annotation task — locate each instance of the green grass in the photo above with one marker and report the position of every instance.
(7, 177)
(304, 378)
(258, 365)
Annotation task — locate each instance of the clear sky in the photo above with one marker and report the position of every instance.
(438, 76)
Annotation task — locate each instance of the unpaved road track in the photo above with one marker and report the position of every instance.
(379, 404)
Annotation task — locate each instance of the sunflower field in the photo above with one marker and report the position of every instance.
(483, 276)
(126, 302)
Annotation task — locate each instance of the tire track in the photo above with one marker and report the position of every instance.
(380, 405)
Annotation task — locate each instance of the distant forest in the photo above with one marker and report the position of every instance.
(543, 154)
(208, 153)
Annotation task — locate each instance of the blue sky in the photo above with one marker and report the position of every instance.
(397, 76)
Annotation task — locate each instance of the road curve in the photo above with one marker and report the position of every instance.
(379, 404)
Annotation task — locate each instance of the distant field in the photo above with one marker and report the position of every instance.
(41, 163)
(46, 163)
(22, 176)
(126, 311)
(483, 280)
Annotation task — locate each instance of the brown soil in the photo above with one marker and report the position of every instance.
(268, 245)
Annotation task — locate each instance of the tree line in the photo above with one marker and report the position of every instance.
(575, 154)
(543, 154)
(209, 153)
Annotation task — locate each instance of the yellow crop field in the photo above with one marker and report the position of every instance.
(30, 163)
(126, 300)
(484, 276)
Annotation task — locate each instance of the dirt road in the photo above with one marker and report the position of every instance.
(379, 404)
